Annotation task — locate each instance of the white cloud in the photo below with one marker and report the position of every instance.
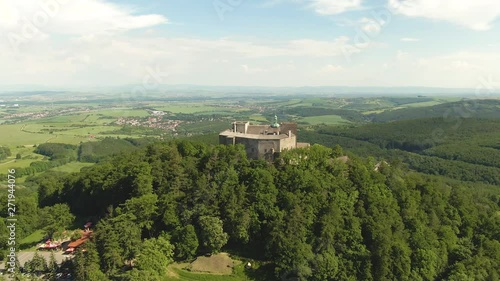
(333, 7)
(371, 26)
(323, 7)
(75, 17)
(104, 59)
(401, 55)
(84, 47)
(476, 14)
(454, 70)
(332, 68)
(409, 39)
(251, 70)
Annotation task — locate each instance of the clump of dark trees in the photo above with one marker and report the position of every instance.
(308, 215)
(90, 152)
(4, 152)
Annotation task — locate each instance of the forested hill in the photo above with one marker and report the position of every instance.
(310, 216)
(466, 149)
(484, 109)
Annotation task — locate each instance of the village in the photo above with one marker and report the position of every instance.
(157, 122)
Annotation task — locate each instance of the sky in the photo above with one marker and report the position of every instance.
(386, 43)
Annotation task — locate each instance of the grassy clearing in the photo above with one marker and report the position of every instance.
(220, 267)
(68, 119)
(99, 119)
(205, 127)
(72, 167)
(124, 112)
(190, 108)
(177, 272)
(30, 242)
(94, 130)
(325, 119)
(422, 104)
(374, 111)
(258, 117)
(20, 163)
(185, 275)
(13, 136)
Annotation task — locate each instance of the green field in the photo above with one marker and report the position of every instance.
(20, 163)
(71, 167)
(30, 242)
(124, 112)
(13, 136)
(183, 275)
(425, 103)
(204, 127)
(258, 117)
(191, 108)
(325, 119)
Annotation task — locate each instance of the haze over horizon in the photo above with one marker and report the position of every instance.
(57, 44)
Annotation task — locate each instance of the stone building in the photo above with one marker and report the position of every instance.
(262, 141)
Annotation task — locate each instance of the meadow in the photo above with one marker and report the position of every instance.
(325, 119)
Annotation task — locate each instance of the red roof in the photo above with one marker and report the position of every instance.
(79, 242)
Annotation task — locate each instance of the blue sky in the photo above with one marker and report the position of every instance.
(434, 43)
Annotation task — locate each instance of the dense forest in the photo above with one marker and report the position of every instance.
(465, 149)
(485, 109)
(307, 216)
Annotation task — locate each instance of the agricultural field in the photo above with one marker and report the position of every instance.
(325, 119)
(190, 108)
(13, 135)
(123, 112)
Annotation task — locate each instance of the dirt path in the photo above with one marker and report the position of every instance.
(8, 162)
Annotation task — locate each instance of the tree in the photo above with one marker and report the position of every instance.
(140, 275)
(213, 237)
(37, 264)
(55, 218)
(144, 208)
(185, 242)
(154, 255)
(292, 253)
(18, 156)
(117, 240)
(53, 266)
(86, 264)
(142, 182)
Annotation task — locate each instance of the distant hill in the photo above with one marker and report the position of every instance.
(451, 111)
(208, 90)
(464, 149)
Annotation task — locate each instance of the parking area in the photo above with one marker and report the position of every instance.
(28, 255)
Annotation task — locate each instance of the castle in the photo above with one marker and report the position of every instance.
(262, 141)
